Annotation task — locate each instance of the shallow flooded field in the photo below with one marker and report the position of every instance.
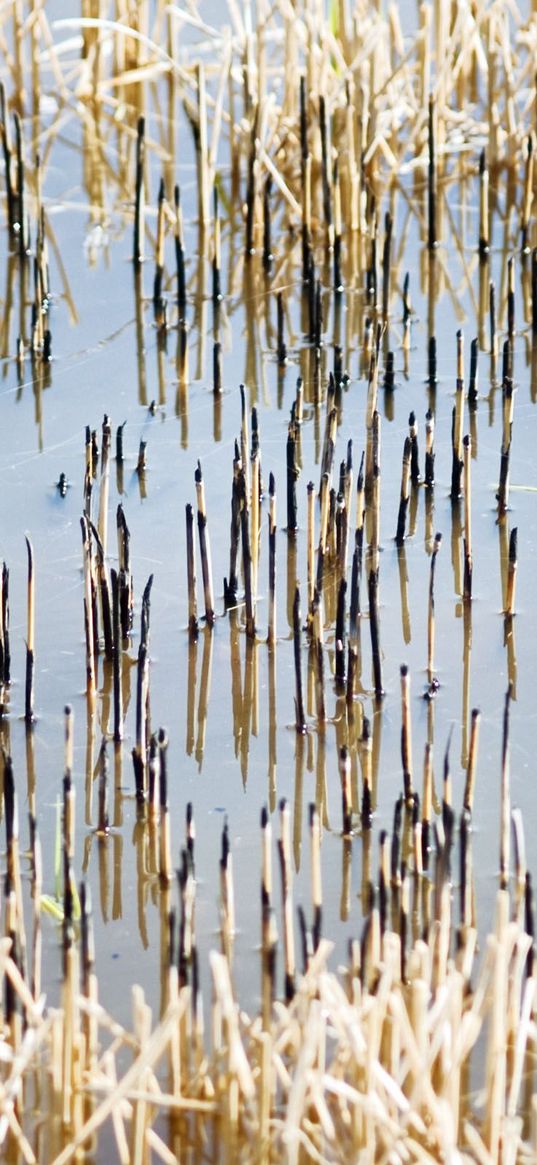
(258, 351)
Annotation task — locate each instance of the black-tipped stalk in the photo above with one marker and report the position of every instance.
(386, 265)
(116, 625)
(292, 477)
(247, 563)
(472, 383)
(205, 550)
(91, 605)
(104, 589)
(231, 585)
(125, 584)
(429, 449)
(492, 320)
(374, 625)
(404, 496)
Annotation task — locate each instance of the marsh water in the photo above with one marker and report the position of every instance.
(227, 702)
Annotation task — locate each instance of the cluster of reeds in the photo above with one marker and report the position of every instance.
(416, 1049)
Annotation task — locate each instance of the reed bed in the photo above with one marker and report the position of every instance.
(307, 131)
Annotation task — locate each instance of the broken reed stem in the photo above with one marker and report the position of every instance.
(469, 787)
(472, 383)
(88, 608)
(255, 521)
(247, 561)
(292, 477)
(205, 550)
(372, 586)
(405, 493)
(414, 451)
(231, 584)
(116, 672)
(457, 423)
(191, 573)
(310, 548)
